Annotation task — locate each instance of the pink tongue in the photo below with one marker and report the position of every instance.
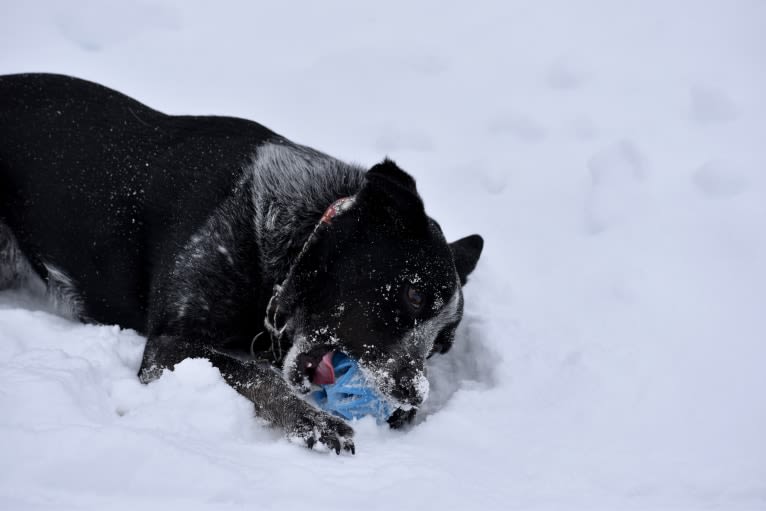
(325, 374)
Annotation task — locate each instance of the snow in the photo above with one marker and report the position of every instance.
(612, 353)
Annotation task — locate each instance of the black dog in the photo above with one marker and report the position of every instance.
(217, 238)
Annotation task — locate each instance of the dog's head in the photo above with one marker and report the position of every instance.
(379, 282)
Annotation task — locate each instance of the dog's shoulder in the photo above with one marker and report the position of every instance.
(124, 184)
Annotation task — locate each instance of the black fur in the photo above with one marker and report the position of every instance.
(182, 228)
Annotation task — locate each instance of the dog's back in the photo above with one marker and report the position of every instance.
(107, 187)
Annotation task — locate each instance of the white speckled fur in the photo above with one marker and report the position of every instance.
(292, 187)
(62, 293)
(15, 271)
(14, 268)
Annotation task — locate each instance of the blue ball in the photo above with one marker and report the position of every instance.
(351, 396)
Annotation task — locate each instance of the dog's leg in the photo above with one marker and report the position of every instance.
(259, 382)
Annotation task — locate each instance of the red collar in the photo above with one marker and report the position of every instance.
(339, 206)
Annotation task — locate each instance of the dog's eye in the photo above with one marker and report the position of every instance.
(415, 298)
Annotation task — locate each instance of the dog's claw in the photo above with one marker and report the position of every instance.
(327, 430)
(333, 443)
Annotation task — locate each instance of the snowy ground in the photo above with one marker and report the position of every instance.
(611, 154)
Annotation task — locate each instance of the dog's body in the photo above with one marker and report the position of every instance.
(182, 228)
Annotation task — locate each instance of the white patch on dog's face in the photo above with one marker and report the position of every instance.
(424, 334)
(403, 371)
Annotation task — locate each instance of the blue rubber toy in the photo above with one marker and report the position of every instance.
(351, 396)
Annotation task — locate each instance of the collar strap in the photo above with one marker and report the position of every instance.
(274, 327)
(336, 208)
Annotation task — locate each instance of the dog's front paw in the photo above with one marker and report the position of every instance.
(328, 430)
(401, 418)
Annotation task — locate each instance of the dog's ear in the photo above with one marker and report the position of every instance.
(390, 196)
(466, 252)
(388, 172)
